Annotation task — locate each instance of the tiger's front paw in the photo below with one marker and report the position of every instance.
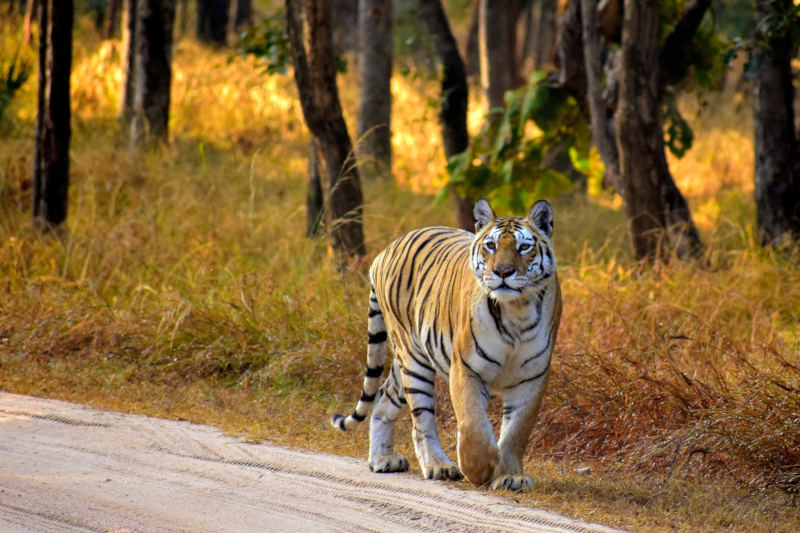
(389, 463)
(446, 471)
(516, 483)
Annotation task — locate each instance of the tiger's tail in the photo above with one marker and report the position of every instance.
(376, 358)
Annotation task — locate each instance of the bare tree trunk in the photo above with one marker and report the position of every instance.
(114, 15)
(212, 21)
(497, 39)
(453, 97)
(30, 12)
(538, 45)
(602, 122)
(314, 197)
(657, 212)
(242, 14)
(375, 105)
(153, 71)
(777, 176)
(315, 76)
(128, 65)
(51, 152)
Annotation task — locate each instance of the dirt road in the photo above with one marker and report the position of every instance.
(67, 467)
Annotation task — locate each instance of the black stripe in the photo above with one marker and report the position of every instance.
(376, 338)
(419, 410)
(480, 350)
(372, 313)
(412, 390)
(374, 372)
(534, 378)
(497, 315)
(357, 417)
(547, 346)
(366, 397)
(416, 376)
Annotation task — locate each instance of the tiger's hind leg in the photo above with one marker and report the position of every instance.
(390, 405)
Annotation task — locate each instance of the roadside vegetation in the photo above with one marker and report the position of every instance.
(183, 286)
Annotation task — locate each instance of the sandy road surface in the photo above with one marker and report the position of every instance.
(67, 467)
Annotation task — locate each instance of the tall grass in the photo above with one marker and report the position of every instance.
(184, 286)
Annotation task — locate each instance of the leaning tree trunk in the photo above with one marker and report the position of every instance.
(375, 102)
(656, 210)
(153, 71)
(777, 181)
(315, 76)
(51, 151)
(453, 97)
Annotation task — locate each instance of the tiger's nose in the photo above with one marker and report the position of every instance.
(504, 271)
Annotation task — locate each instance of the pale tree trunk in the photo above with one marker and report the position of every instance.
(315, 76)
(777, 176)
(658, 215)
(153, 71)
(128, 62)
(375, 102)
(602, 121)
(51, 150)
(453, 97)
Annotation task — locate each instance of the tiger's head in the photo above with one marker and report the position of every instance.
(512, 255)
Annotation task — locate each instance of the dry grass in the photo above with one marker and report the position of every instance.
(184, 287)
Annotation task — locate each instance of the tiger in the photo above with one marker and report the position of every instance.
(481, 310)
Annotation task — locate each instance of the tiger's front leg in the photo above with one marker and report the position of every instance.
(478, 454)
(520, 410)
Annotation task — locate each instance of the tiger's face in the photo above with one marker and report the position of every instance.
(512, 254)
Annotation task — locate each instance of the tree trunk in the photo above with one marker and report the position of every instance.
(656, 210)
(153, 71)
(538, 45)
(113, 20)
(315, 76)
(128, 65)
(777, 181)
(212, 21)
(571, 65)
(453, 97)
(375, 105)
(602, 123)
(497, 41)
(51, 151)
(243, 14)
(314, 198)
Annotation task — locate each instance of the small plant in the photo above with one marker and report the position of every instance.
(507, 163)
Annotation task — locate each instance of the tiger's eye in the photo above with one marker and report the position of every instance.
(491, 246)
(524, 247)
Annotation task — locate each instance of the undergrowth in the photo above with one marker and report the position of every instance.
(184, 286)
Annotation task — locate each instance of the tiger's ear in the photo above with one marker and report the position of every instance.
(541, 216)
(483, 214)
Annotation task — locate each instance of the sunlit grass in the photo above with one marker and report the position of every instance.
(184, 286)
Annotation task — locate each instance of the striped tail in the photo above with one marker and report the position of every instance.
(376, 358)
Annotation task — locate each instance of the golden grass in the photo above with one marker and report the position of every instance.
(184, 287)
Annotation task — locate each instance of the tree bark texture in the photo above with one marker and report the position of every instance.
(212, 21)
(243, 14)
(498, 56)
(569, 46)
(51, 152)
(655, 207)
(153, 71)
(601, 120)
(777, 180)
(113, 19)
(315, 77)
(453, 97)
(375, 102)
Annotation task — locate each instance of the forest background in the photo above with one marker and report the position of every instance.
(181, 280)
